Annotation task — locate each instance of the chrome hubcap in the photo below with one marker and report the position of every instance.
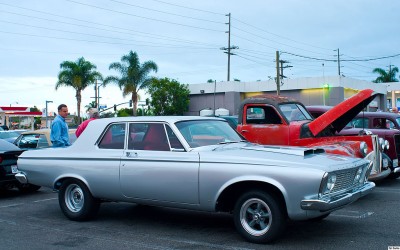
(74, 198)
(255, 217)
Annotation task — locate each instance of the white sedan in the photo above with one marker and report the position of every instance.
(197, 163)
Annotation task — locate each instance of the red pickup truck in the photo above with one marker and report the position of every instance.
(278, 120)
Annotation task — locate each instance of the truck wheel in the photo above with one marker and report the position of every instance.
(76, 201)
(259, 217)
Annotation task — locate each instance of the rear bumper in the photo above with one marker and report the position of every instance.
(325, 206)
(21, 177)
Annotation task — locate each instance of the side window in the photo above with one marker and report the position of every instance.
(28, 141)
(148, 136)
(360, 122)
(390, 124)
(114, 138)
(262, 115)
(173, 140)
(379, 123)
(42, 142)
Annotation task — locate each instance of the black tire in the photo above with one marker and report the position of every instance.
(76, 201)
(259, 217)
(27, 188)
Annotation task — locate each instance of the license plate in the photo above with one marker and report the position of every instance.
(14, 169)
(395, 162)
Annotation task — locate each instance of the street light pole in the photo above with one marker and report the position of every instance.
(47, 112)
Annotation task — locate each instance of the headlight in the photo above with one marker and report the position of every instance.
(357, 178)
(363, 148)
(382, 143)
(331, 182)
(387, 145)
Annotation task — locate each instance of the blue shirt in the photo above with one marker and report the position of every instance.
(59, 132)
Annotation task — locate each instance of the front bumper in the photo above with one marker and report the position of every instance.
(325, 206)
(380, 175)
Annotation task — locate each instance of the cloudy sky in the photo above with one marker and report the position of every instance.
(184, 38)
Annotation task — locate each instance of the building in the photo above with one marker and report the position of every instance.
(26, 118)
(309, 90)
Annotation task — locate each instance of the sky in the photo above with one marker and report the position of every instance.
(184, 38)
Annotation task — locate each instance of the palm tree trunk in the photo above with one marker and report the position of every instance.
(134, 100)
(78, 104)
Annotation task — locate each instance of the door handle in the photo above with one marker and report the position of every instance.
(243, 131)
(131, 154)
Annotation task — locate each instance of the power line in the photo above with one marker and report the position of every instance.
(147, 18)
(343, 60)
(189, 8)
(165, 12)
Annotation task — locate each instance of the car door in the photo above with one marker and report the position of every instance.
(155, 166)
(262, 124)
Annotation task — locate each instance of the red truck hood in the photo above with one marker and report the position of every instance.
(342, 113)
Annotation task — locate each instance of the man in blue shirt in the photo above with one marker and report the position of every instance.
(59, 128)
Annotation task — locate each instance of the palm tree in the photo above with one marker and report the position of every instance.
(92, 104)
(78, 75)
(133, 76)
(389, 76)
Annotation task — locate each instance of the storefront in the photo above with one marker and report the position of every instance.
(18, 117)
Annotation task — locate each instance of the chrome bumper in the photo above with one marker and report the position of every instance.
(380, 175)
(21, 177)
(323, 206)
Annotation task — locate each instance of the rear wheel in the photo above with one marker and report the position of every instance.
(259, 217)
(76, 201)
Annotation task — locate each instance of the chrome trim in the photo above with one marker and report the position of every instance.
(21, 177)
(323, 205)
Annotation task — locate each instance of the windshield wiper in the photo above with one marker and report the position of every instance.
(228, 142)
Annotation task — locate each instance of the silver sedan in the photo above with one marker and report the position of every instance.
(195, 163)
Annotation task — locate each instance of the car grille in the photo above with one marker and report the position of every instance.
(344, 180)
(397, 145)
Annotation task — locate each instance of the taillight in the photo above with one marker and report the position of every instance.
(1, 160)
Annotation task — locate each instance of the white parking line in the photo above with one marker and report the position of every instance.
(46, 200)
(357, 215)
(387, 190)
(12, 205)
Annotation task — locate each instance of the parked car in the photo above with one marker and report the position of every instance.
(197, 163)
(231, 119)
(384, 124)
(278, 120)
(9, 135)
(3, 127)
(39, 139)
(8, 168)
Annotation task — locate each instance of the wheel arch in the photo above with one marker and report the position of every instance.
(60, 180)
(227, 198)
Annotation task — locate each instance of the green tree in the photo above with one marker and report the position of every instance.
(92, 104)
(168, 97)
(78, 75)
(124, 112)
(133, 76)
(384, 76)
(37, 120)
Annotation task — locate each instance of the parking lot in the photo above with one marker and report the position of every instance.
(35, 221)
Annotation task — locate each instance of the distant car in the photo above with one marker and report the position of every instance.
(8, 168)
(4, 128)
(9, 135)
(39, 139)
(197, 163)
(231, 119)
(384, 124)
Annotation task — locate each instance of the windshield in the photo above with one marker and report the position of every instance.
(398, 121)
(207, 132)
(295, 112)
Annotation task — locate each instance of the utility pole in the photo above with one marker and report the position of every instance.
(95, 95)
(278, 81)
(283, 67)
(228, 50)
(338, 60)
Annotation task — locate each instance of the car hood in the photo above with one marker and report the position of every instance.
(283, 156)
(342, 113)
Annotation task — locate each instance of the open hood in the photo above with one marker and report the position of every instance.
(342, 113)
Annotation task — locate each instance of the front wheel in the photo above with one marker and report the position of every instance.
(259, 217)
(76, 201)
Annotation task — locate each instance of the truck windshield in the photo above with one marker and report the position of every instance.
(295, 112)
